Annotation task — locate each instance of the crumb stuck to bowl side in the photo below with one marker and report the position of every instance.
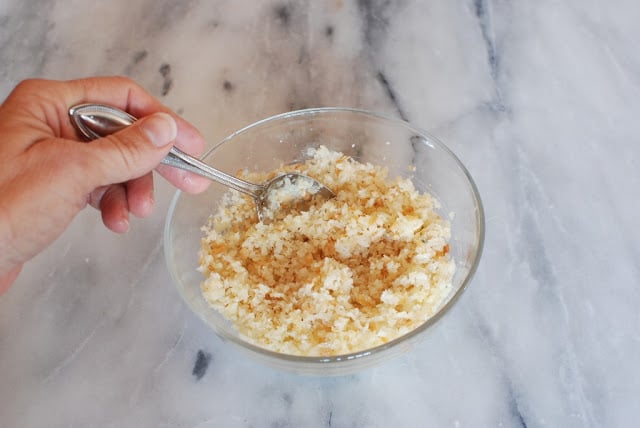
(349, 274)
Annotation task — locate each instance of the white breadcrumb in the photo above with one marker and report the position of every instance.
(351, 273)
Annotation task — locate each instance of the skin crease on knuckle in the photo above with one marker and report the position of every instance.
(40, 99)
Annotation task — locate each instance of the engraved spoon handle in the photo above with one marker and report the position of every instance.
(94, 121)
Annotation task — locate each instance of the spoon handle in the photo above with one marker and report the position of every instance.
(94, 121)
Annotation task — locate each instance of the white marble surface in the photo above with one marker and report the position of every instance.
(541, 100)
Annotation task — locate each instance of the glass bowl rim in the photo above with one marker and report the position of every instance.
(327, 360)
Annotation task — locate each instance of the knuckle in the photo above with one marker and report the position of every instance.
(31, 86)
(124, 80)
(28, 84)
(25, 90)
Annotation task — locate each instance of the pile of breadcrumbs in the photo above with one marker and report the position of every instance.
(351, 273)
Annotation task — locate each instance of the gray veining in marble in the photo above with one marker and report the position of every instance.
(539, 99)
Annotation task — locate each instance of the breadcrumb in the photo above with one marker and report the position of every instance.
(351, 273)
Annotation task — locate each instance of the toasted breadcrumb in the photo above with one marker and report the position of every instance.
(351, 273)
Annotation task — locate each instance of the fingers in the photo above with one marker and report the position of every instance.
(183, 180)
(140, 104)
(127, 154)
(44, 104)
(115, 209)
(117, 201)
(127, 95)
(39, 109)
(140, 195)
(50, 100)
(127, 143)
(128, 157)
(95, 197)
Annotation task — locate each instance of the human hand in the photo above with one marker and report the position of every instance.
(47, 176)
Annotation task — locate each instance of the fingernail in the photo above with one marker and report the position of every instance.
(121, 226)
(161, 129)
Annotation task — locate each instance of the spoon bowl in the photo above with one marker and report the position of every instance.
(273, 199)
(287, 193)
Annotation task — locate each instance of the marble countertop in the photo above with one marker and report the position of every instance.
(540, 100)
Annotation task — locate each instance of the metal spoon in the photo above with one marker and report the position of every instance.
(274, 198)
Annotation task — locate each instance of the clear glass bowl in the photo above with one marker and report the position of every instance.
(365, 136)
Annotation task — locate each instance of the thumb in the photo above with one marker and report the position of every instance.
(132, 151)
